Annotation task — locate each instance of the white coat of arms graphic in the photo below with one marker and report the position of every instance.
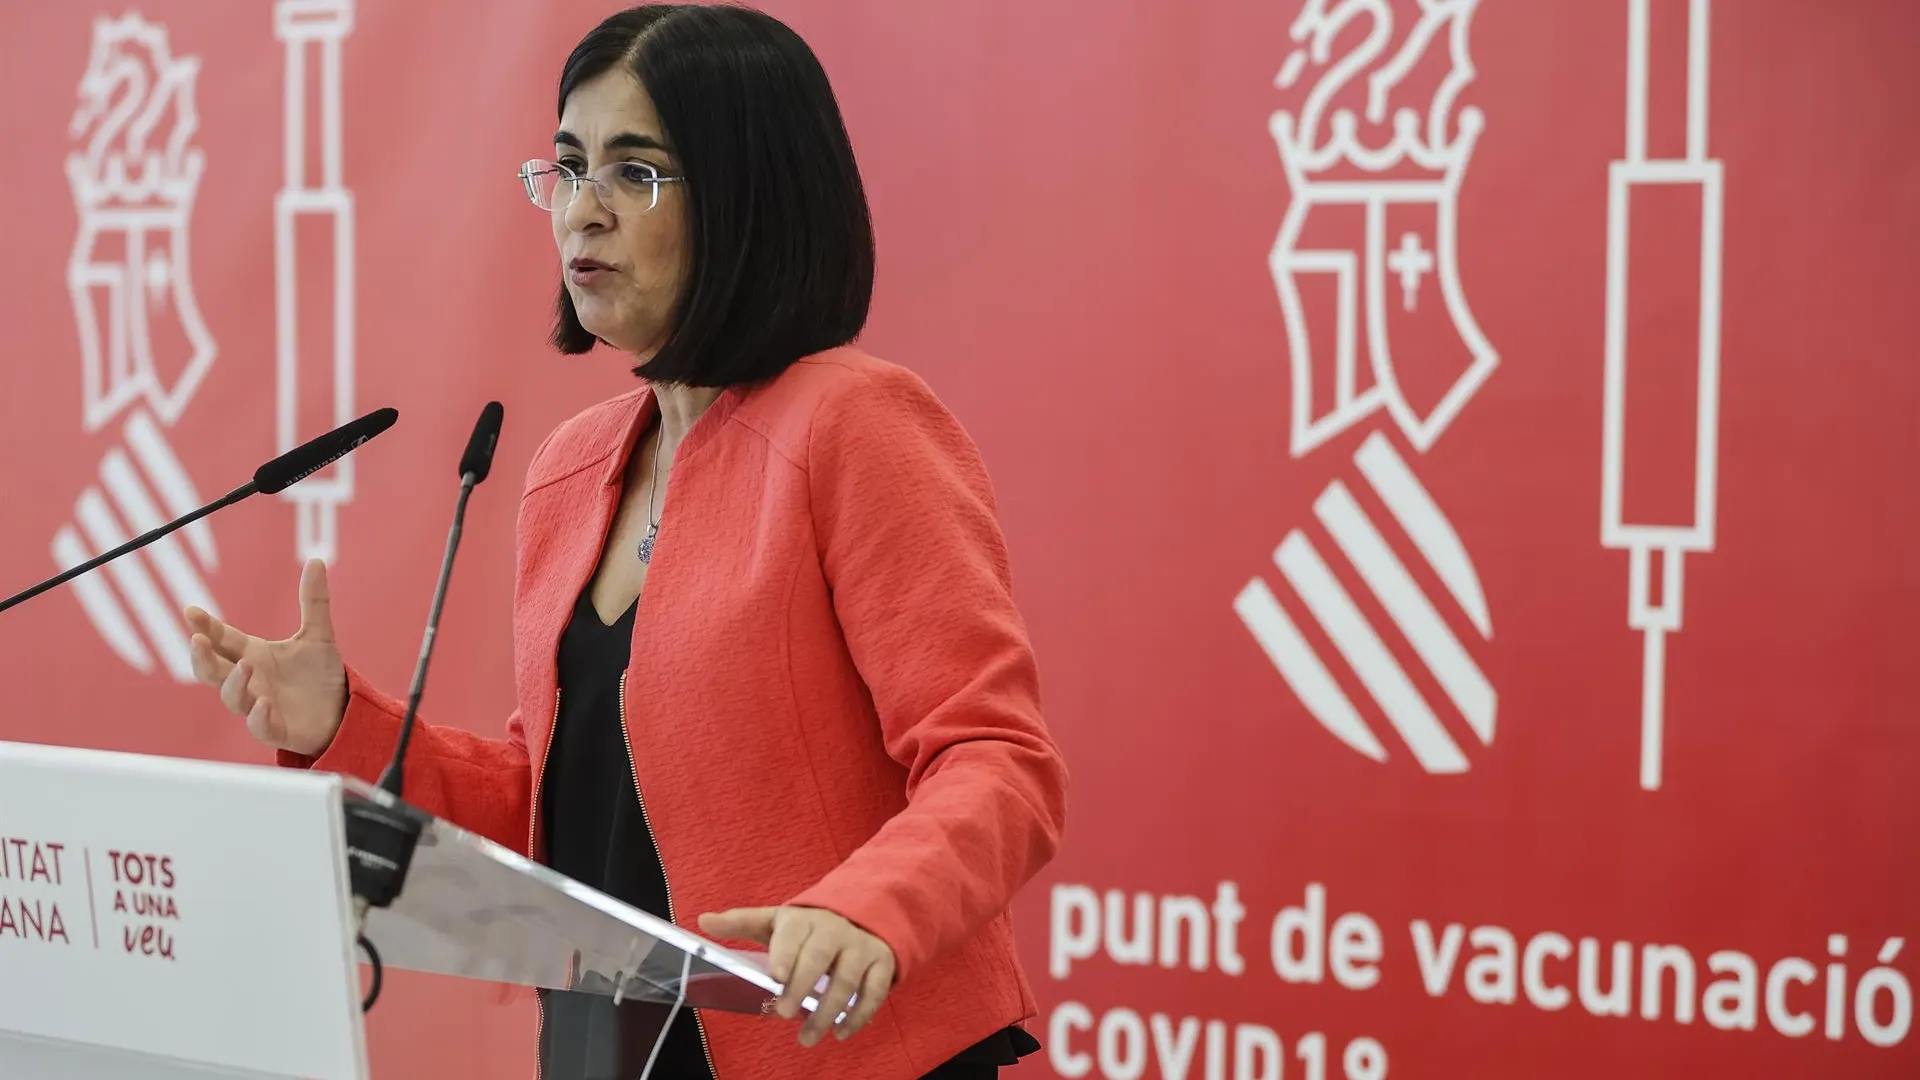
(144, 347)
(1366, 263)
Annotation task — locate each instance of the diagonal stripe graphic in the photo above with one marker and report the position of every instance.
(1311, 682)
(1406, 710)
(1423, 522)
(99, 603)
(1409, 607)
(141, 515)
(167, 635)
(170, 479)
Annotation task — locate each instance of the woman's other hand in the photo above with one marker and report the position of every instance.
(804, 944)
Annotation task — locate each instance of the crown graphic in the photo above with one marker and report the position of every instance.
(135, 122)
(1434, 144)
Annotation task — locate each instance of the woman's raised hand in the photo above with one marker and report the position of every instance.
(292, 692)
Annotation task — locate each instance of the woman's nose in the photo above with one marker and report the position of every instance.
(587, 211)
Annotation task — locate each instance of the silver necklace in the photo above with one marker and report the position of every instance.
(653, 525)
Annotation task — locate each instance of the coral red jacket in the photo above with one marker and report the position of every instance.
(831, 698)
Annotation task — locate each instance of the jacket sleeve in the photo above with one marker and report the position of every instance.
(918, 569)
(482, 785)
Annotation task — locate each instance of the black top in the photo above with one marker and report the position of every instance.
(597, 834)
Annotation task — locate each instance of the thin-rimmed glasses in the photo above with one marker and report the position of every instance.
(626, 187)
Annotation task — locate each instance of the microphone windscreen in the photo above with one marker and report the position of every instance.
(486, 436)
(308, 458)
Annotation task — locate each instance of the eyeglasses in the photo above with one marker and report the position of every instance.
(625, 187)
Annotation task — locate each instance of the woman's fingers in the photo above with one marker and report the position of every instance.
(228, 659)
(790, 934)
(848, 970)
(227, 642)
(316, 602)
(264, 723)
(234, 692)
(208, 666)
(816, 958)
(873, 993)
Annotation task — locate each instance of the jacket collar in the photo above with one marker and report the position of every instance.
(638, 410)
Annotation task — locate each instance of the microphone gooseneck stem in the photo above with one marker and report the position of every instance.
(138, 542)
(382, 832)
(393, 779)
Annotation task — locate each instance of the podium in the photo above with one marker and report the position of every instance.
(169, 919)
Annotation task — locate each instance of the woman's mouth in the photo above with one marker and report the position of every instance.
(585, 272)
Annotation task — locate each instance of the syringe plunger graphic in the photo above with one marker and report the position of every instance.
(316, 28)
(1642, 540)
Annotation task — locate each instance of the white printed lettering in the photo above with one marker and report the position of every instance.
(1533, 970)
(1122, 1044)
(1228, 911)
(1656, 959)
(1174, 1050)
(1615, 1000)
(1436, 965)
(1257, 1054)
(1365, 1059)
(1791, 1024)
(1069, 1017)
(1138, 950)
(1074, 930)
(1192, 912)
(1732, 1004)
(1892, 982)
(1836, 988)
(1492, 975)
(1353, 952)
(1307, 963)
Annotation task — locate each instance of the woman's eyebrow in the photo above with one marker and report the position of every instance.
(626, 140)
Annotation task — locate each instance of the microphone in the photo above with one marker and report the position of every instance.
(275, 476)
(381, 836)
(303, 461)
(474, 466)
(478, 460)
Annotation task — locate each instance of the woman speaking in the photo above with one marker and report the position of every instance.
(818, 729)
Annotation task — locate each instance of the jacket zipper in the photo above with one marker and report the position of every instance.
(539, 778)
(533, 819)
(627, 741)
(539, 1034)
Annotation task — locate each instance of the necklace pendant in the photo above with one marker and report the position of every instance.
(646, 544)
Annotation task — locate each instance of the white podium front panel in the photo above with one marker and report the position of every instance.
(183, 910)
(27, 1057)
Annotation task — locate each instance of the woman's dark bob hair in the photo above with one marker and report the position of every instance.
(780, 241)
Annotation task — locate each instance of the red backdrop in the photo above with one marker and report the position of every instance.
(1484, 533)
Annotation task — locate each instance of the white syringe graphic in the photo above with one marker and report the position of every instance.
(1657, 618)
(313, 27)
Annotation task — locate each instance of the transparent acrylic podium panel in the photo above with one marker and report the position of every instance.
(475, 909)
